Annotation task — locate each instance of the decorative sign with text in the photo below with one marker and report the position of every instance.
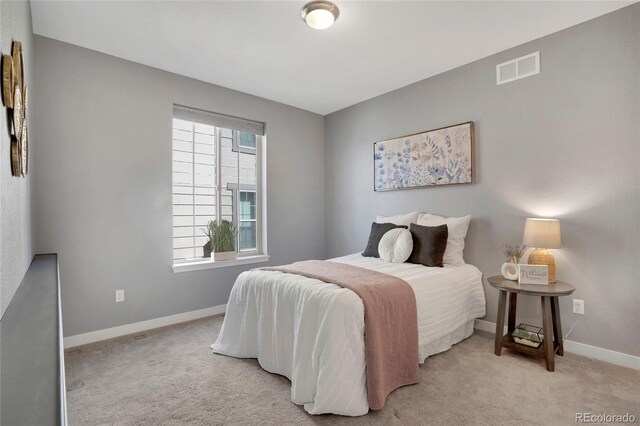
(533, 274)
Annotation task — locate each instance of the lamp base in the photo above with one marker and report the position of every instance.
(543, 257)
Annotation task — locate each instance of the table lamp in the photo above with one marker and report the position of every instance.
(543, 234)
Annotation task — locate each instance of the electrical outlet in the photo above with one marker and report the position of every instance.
(119, 295)
(578, 306)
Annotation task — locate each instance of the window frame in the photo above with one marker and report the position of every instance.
(234, 192)
(235, 197)
(239, 224)
(259, 254)
(236, 147)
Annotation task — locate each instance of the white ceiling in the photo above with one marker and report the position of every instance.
(265, 49)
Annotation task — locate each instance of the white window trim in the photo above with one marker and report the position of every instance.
(258, 255)
(211, 264)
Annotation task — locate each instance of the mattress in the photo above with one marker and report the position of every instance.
(312, 332)
(446, 298)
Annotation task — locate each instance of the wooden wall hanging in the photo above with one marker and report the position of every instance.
(14, 98)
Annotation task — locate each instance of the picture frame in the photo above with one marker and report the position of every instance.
(437, 157)
(533, 274)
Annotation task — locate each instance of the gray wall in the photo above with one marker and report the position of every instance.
(16, 201)
(103, 186)
(564, 143)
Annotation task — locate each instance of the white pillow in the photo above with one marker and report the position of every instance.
(403, 219)
(396, 245)
(458, 227)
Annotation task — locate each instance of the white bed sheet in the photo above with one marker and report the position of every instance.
(313, 332)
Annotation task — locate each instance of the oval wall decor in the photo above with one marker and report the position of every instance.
(16, 116)
(24, 147)
(14, 97)
(7, 81)
(18, 71)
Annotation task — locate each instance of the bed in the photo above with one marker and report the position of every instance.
(312, 332)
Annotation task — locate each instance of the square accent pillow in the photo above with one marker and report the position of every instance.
(403, 219)
(458, 227)
(377, 231)
(429, 244)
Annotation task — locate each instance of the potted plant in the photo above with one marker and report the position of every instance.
(222, 240)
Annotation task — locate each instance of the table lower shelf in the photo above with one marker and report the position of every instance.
(509, 343)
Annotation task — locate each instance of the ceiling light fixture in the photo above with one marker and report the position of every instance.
(320, 15)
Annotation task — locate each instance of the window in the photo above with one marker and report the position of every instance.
(213, 180)
(244, 142)
(247, 221)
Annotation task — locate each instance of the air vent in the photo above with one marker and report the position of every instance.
(518, 68)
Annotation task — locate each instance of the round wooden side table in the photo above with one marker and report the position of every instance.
(551, 325)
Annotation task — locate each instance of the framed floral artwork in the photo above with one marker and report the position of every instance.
(432, 158)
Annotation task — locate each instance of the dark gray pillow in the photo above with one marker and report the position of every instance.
(377, 231)
(429, 244)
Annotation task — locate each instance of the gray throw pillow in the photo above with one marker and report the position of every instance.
(377, 231)
(429, 244)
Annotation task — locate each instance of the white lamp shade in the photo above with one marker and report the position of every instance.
(542, 233)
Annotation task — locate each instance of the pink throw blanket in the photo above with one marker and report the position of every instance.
(390, 321)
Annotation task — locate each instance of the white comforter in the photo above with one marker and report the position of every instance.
(313, 332)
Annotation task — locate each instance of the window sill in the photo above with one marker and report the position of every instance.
(210, 264)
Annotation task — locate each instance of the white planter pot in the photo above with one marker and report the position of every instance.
(224, 255)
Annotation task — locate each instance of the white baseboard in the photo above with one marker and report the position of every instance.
(483, 325)
(588, 351)
(594, 352)
(136, 327)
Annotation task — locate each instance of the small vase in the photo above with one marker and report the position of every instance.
(510, 271)
(206, 250)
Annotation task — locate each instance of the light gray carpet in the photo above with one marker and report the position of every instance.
(169, 376)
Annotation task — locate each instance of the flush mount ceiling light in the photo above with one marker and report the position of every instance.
(320, 15)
